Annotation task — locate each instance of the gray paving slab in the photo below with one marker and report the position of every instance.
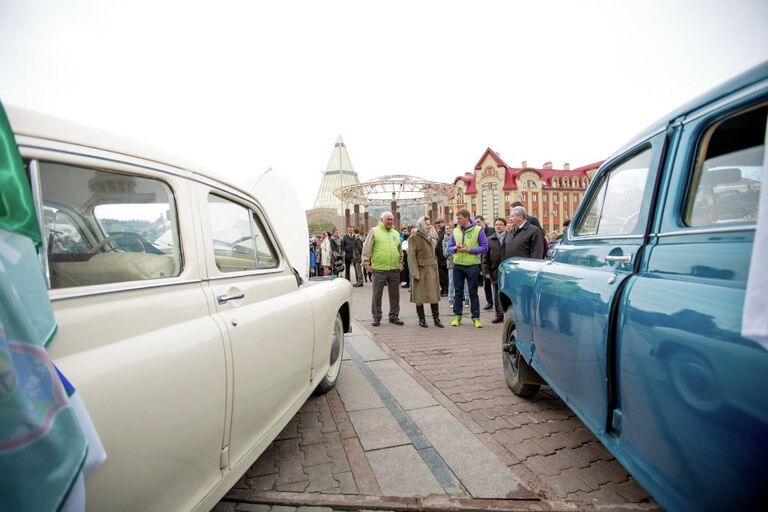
(408, 393)
(355, 390)
(377, 428)
(366, 347)
(401, 471)
(480, 470)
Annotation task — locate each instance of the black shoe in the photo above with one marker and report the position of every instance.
(376, 323)
(438, 323)
(357, 285)
(488, 307)
(423, 322)
(396, 321)
(497, 320)
(443, 294)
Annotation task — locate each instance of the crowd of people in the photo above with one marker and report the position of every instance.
(433, 261)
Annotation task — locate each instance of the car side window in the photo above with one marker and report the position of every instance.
(104, 227)
(728, 172)
(239, 240)
(615, 208)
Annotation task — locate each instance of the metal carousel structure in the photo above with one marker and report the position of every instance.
(395, 191)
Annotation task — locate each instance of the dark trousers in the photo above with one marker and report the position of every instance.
(470, 273)
(488, 291)
(442, 272)
(496, 304)
(347, 266)
(358, 272)
(390, 278)
(405, 275)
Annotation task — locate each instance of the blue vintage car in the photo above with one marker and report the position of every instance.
(635, 322)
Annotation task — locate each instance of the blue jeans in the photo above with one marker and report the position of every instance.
(451, 289)
(472, 274)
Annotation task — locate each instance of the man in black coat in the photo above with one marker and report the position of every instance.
(491, 261)
(442, 262)
(348, 248)
(535, 222)
(527, 240)
(487, 287)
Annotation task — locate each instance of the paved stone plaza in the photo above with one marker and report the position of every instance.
(423, 419)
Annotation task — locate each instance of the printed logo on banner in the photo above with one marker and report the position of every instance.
(28, 382)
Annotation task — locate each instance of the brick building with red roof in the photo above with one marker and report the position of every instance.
(550, 194)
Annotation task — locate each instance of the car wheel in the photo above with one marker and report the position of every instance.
(335, 357)
(514, 364)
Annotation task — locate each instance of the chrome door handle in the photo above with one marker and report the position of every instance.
(625, 258)
(223, 299)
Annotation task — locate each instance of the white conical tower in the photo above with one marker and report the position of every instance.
(338, 173)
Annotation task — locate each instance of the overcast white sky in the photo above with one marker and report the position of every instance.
(414, 87)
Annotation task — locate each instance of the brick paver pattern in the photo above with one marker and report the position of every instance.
(540, 439)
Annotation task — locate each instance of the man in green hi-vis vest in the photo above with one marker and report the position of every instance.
(467, 244)
(382, 254)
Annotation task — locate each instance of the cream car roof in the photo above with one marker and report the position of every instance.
(36, 124)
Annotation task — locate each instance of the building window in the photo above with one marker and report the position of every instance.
(535, 197)
(554, 198)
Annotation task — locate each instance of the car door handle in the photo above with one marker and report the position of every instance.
(624, 258)
(223, 299)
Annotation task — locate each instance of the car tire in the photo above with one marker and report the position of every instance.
(335, 356)
(514, 364)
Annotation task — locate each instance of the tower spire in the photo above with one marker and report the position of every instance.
(338, 173)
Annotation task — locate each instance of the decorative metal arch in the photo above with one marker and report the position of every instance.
(404, 190)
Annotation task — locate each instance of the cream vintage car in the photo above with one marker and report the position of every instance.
(182, 323)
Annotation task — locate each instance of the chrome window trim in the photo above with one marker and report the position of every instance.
(705, 231)
(37, 196)
(61, 294)
(246, 273)
(725, 101)
(605, 237)
(103, 158)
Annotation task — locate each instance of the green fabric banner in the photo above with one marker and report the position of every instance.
(17, 209)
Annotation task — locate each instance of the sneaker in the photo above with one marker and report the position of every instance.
(456, 321)
(477, 323)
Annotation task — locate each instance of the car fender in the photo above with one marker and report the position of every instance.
(517, 290)
(328, 298)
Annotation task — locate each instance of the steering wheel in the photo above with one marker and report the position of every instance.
(119, 236)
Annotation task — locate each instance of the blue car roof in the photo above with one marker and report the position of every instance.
(740, 81)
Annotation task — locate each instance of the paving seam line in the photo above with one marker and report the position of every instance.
(426, 451)
(416, 504)
(471, 425)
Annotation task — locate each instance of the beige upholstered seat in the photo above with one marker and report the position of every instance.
(111, 267)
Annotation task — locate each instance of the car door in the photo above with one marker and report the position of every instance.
(135, 335)
(692, 389)
(575, 292)
(257, 297)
